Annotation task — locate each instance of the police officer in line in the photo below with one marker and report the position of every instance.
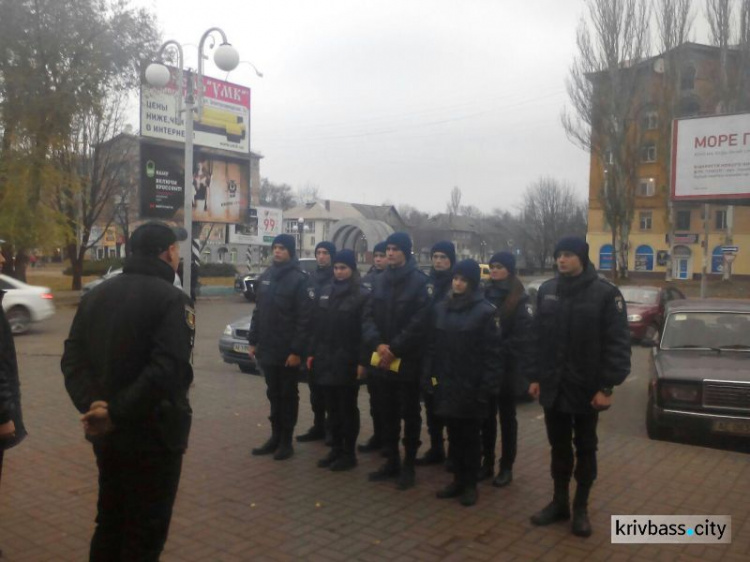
(279, 331)
(507, 293)
(394, 327)
(338, 357)
(581, 330)
(127, 370)
(443, 257)
(321, 277)
(462, 371)
(375, 443)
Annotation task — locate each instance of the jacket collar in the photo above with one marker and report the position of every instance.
(571, 285)
(146, 265)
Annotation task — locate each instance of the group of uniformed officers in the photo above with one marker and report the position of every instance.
(468, 351)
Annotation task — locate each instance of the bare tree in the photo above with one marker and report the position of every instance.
(280, 196)
(454, 203)
(719, 17)
(550, 210)
(602, 87)
(412, 216)
(674, 20)
(308, 193)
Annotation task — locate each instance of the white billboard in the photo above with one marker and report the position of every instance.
(223, 122)
(711, 158)
(263, 226)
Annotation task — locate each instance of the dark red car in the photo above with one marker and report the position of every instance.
(646, 309)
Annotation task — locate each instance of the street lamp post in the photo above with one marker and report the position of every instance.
(301, 230)
(158, 75)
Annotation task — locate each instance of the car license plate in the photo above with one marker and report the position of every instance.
(241, 347)
(737, 427)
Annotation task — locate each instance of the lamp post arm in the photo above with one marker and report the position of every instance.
(180, 59)
(202, 43)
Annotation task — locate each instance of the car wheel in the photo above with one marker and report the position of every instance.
(19, 319)
(653, 429)
(652, 335)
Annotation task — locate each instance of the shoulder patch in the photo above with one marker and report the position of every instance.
(190, 317)
(619, 303)
(430, 289)
(311, 293)
(530, 310)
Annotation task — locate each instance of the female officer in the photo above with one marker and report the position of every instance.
(463, 371)
(507, 293)
(336, 351)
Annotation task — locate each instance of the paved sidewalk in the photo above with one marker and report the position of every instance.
(232, 507)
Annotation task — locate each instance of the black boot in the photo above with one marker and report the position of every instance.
(504, 478)
(487, 470)
(558, 509)
(581, 526)
(435, 454)
(272, 444)
(285, 449)
(452, 490)
(315, 433)
(408, 477)
(390, 469)
(373, 444)
(330, 458)
(346, 461)
(470, 495)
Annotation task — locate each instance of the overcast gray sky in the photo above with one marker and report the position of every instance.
(400, 100)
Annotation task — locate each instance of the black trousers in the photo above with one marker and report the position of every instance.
(318, 403)
(283, 394)
(374, 389)
(505, 406)
(136, 494)
(343, 411)
(564, 431)
(464, 448)
(435, 423)
(400, 401)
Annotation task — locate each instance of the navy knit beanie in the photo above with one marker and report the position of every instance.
(286, 240)
(402, 241)
(468, 269)
(447, 248)
(506, 259)
(326, 245)
(576, 245)
(379, 247)
(347, 257)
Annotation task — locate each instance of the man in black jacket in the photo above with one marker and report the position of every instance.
(583, 345)
(375, 443)
(278, 338)
(443, 257)
(127, 369)
(322, 277)
(395, 327)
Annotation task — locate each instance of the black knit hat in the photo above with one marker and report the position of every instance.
(447, 248)
(154, 237)
(469, 270)
(347, 257)
(576, 245)
(379, 247)
(506, 259)
(402, 241)
(286, 240)
(326, 245)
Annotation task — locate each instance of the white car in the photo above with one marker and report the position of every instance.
(24, 304)
(96, 282)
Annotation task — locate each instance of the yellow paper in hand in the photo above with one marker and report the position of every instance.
(395, 364)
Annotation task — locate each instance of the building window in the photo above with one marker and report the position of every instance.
(648, 153)
(646, 187)
(682, 220)
(650, 120)
(645, 220)
(291, 227)
(721, 220)
(233, 255)
(606, 257)
(687, 78)
(644, 258)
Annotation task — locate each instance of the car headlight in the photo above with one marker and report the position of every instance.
(634, 317)
(228, 330)
(671, 392)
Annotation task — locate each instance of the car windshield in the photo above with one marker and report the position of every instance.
(707, 330)
(639, 295)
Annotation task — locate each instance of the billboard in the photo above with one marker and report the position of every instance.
(220, 188)
(223, 123)
(262, 226)
(711, 158)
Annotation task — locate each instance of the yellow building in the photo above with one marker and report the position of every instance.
(652, 237)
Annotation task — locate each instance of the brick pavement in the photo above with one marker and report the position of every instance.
(232, 507)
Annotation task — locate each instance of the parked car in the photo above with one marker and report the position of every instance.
(645, 306)
(91, 284)
(700, 371)
(25, 304)
(245, 282)
(233, 345)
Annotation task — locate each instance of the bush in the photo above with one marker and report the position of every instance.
(217, 270)
(98, 267)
